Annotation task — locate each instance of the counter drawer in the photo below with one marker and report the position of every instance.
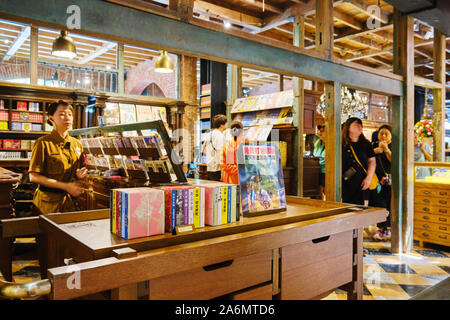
(431, 209)
(313, 267)
(432, 201)
(435, 237)
(433, 218)
(215, 280)
(428, 192)
(263, 292)
(436, 227)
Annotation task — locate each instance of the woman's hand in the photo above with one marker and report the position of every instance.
(384, 146)
(378, 150)
(366, 183)
(74, 188)
(81, 173)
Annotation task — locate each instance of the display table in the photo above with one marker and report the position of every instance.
(312, 248)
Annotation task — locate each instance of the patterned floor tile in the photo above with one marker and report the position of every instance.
(445, 268)
(433, 279)
(391, 298)
(368, 297)
(412, 290)
(409, 279)
(377, 251)
(387, 259)
(439, 261)
(429, 270)
(397, 268)
(412, 259)
(377, 277)
(372, 267)
(387, 290)
(29, 271)
(368, 259)
(432, 253)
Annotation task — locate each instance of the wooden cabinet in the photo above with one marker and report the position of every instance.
(304, 275)
(214, 280)
(432, 209)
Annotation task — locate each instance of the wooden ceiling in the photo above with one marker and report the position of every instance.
(353, 39)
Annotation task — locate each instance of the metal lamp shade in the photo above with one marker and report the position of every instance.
(63, 46)
(164, 64)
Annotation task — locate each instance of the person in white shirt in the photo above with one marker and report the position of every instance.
(213, 147)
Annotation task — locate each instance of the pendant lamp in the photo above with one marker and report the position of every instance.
(164, 64)
(63, 46)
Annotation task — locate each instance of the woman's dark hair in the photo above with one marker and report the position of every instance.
(385, 126)
(236, 129)
(51, 109)
(345, 136)
(218, 120)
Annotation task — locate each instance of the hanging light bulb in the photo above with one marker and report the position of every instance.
(63, 46)
(164, 64)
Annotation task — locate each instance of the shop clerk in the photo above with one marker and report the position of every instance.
(57, 163)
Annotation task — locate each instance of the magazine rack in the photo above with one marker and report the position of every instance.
(147, 153)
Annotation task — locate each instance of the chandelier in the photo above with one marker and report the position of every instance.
(352, 105)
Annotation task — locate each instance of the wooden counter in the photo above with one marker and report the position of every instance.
(313, 247)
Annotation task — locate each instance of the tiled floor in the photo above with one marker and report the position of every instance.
(390, 276)
(386, 276)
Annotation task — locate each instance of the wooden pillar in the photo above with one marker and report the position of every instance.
(324, 27)
(34, 55)
(234, 87)
(120, 66)
(299, 106)
(402, 220)
(439, 59)
(333, 150)
(188, 93)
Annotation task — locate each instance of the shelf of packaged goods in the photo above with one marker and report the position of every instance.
(207, 106)
(15, 110)
(14, 150)
(23, 132)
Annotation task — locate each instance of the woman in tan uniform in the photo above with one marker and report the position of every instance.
(57, 162)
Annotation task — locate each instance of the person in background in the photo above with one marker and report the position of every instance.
(229, 163)
(358, 163)
(382, 149)
(57, 163)
(422, 153)
(213, 147)
(319, 152)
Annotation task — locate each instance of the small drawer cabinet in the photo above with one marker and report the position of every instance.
(432, 205)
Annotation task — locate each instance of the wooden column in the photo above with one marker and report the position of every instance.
(188, 93)
(234, 87)
(439, 59)
(299, 106)
(34, 55)
(402, 208)
(333, 171)
(120, 66)
(324, 27)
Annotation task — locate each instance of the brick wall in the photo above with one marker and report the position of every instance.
(143, 74)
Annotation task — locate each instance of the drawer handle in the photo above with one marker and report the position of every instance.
(442, 201)
(442, 237)
(426, 217)
(426, 234)
(425, 226)
(443, 210)
(219, 265)
(426, 192)
(426, 200)
(443, 219)
(442, 228)
(443, 193)
(426, 209)
(322, 239)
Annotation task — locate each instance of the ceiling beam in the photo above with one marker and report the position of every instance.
(347, 20)
(264, 6)
(362, 7)
(23, 36)
(294, 10)
(97, 53)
